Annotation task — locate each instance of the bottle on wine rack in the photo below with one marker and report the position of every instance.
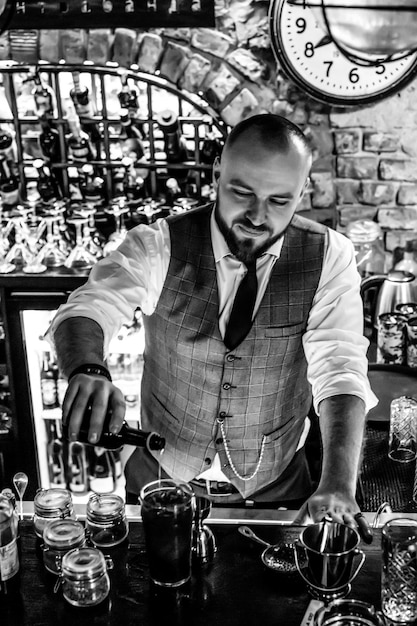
(74, 190)
(100, 471)
(128, 95)
(78, 467)
(43, 95)
(131, 140)
(55, 455)
(175, 144)
(47, 184)
(133, 185)
(210, 149)
(48, 382)
(91, 186)
(9, 184)
(112, 441)
(80, 96)
(79, 143)
(173, 191)
(9, 554)
(7, 146)
(49, 141)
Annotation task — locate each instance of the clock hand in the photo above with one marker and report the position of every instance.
(324, 41)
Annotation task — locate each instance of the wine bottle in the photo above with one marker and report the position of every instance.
(43, 95)
(9, 554)
(91, 186)
(128, 96)
(55, 456)
(78, 468)
(9, 184)
(100, 472)
(47, 184)
(49, 141)
(48, 383)
(112, 441)
(175, 144)
(79, 143)
(7, 146)
(131, 140)
(80, 96)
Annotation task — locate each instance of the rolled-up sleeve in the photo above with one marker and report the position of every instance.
(334, 344)
(130, 277)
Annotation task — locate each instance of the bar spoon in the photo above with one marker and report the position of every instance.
(20, 482)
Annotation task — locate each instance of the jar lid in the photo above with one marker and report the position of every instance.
(63, 533)
(105, 506)
(363, 231)
(83, 564)
(52, 502)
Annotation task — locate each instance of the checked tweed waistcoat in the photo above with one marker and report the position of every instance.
(259, 389)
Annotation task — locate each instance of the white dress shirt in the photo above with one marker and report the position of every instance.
(335, 348)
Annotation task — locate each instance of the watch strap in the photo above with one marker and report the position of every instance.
(93, 369)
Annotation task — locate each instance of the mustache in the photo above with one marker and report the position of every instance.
(263, 228)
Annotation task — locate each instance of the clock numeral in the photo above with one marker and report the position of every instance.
(309, 49)
(301, 25)
(353, 75)
(380, 69)
(329, 64)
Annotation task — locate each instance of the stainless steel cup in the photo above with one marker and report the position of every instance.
(329, 549)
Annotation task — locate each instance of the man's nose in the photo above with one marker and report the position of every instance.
(257, 211)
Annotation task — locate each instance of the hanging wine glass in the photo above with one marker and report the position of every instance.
(79, 257)
(94, 240)
(19, 254)
(50, 254)
(5, 268)
(117, 209)
(33, 230)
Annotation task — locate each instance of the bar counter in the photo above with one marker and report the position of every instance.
(236, 590)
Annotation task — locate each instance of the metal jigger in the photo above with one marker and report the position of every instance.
(203, 546)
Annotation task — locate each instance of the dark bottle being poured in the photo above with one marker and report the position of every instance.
(112, 441)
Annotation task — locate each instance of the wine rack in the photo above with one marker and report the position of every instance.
(196, 119)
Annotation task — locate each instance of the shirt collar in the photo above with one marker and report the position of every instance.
(221, 249)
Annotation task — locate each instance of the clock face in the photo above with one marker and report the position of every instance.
(312, 60)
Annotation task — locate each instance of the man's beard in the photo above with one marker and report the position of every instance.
(245, 250)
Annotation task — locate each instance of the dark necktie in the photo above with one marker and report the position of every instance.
(240, 320)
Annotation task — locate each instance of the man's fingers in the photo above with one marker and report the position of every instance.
(302, 516)
(365, 530)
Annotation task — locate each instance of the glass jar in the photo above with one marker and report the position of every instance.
(85, 581)
(61, 536)
(106, 522)
(49, 505)
(370, 254)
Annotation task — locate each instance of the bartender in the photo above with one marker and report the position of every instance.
(251, 314)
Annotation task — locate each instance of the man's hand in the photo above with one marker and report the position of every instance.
(339, 507)
(85, 390)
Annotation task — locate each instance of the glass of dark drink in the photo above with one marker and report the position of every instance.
(167, 515)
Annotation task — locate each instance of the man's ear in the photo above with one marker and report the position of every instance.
(216, 171)
(305, 188)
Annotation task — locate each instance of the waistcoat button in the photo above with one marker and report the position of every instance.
(230, 358)
(207, 461)
(226, 386)
(219, 440)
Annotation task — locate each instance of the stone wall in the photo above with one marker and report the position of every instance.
(365, 160)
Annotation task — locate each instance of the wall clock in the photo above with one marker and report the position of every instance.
(310, 58)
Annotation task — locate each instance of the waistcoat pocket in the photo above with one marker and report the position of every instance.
(284, 331)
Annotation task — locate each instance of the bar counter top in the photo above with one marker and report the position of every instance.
(235, 590)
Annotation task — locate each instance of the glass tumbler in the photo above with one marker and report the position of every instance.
(402, 446)
(399, 570)
(167, 516)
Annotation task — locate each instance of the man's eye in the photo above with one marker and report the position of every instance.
(242, 193)
(278, 202)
